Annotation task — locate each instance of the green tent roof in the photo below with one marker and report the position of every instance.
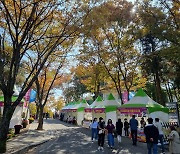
(110, 97)
(99, 99)
(141, 99)
(140, 93)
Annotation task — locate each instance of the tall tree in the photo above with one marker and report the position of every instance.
(159, 23)
(24, 24)
(113, 38)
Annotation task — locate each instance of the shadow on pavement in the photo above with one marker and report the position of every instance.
(77, 140)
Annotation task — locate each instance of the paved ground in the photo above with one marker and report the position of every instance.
(76, 140)
(32, 136)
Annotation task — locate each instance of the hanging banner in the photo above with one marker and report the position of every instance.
(131, 95)
(32, 97)
(125, 97)
(27, 96)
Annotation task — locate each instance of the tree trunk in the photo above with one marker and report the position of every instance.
(158, 89)
(37, 111)
(40, 125)
(97, 91)
(4, 126)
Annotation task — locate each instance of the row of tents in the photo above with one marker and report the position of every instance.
(141, 104)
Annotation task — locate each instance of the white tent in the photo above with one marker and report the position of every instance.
(89, 111)
(108, 108)
(141, 102)
(111, 108)
(97, 102)
(18, 112)
(80, 111)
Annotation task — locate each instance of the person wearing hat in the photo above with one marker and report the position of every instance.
(126, 127)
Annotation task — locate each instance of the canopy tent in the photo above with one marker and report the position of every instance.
(141, 103)
(18, 112)
(109, 107)
(80, 111)
(75, 109)
(89, 111)
(97, 102)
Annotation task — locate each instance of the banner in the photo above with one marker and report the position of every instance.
(88, 110)
(32, 96)
(27, 96)
(99, 110)
(132, 111)
(125, 97)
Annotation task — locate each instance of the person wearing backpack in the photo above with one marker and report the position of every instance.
(152, 135)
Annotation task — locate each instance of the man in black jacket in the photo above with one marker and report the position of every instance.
(152, 135)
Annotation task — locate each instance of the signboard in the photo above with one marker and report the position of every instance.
(173, 111)
(99, 110)
(131, 111)
(88, 110)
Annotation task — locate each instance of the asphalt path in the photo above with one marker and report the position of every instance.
(76, 140)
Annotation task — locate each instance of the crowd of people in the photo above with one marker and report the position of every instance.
(153, 133)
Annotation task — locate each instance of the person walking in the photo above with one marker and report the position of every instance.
(94, 129)
(133, 125)
(174, 141)
(110, 128)
(126, 127)
(161, 134)
(101, 133)
(152, 135)
(119, 126)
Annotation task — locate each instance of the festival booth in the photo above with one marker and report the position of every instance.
(89, 112)
(107, 109)
(19, 112)
(75, 110)
(81, 111)
(142, 105)
(111, 108)
(69, 110)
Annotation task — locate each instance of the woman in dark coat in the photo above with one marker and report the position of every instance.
(119, 126)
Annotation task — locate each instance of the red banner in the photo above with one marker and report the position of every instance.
(99, 110)
(88, 110)
(132, 110)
